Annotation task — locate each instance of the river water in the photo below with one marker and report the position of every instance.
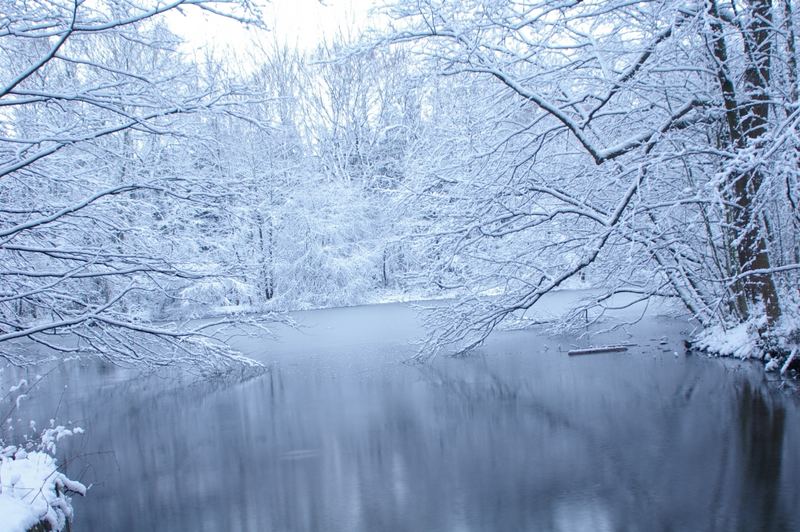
(340, 436)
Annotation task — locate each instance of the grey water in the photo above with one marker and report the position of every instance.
(339, 435)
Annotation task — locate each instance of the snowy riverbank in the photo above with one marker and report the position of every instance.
(34, 493)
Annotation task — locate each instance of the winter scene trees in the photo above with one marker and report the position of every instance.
(558, 166)
(97, 115)
(495, 150)
(649, 148)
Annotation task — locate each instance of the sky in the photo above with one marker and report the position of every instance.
(303, 23)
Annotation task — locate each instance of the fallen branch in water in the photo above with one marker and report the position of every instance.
(789, 361)
(600, 349)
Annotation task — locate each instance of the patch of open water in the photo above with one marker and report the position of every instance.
(339, 436)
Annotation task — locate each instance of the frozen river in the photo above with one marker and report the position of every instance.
(339, 436)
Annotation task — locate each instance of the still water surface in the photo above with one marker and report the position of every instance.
(339, 436)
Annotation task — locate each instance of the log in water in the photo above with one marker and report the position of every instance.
(600, 349)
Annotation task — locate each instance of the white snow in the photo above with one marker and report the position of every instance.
(740, 341)
(15, 515)
(33, 490)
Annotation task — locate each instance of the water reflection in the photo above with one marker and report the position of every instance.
(762, 430)
(511, 441)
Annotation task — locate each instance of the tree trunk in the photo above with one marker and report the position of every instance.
(746, 115)
(266, 259)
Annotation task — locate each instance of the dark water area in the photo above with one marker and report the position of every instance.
(340, 436)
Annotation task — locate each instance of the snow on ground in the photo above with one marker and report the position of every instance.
(739, 342)
(743, 341)
(32, 490)
(393, 296)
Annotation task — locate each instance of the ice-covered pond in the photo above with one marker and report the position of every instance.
(339, 436)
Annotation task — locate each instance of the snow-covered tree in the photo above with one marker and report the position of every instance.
(650, 146)
(98, 166)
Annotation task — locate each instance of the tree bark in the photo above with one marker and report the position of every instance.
(747, 115)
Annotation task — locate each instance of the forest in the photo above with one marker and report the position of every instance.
(344, 286)
(488, 152)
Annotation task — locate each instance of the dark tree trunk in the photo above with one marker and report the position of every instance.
(266, 257)
(746, 115)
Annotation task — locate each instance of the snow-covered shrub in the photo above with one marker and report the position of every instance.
(34, 494)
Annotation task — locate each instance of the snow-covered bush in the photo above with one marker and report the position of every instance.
(34, 494)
